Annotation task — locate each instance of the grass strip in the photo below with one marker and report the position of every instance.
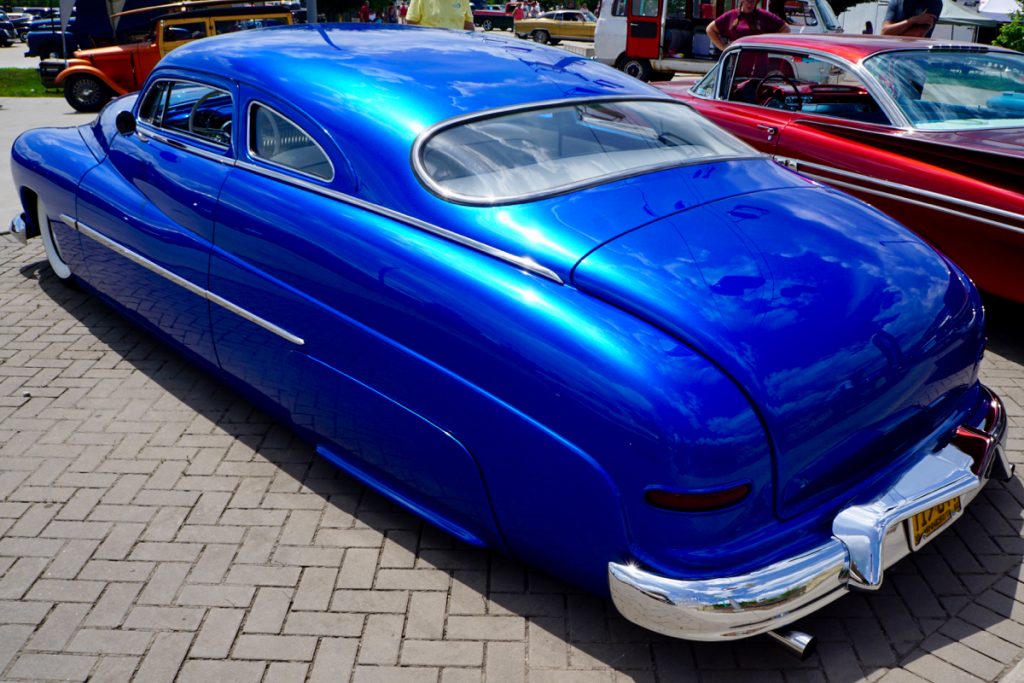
(23, 83)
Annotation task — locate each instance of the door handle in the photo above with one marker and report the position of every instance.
(771, 131)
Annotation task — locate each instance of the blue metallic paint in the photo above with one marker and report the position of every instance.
(722, 323)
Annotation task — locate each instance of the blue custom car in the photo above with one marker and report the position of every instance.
(556, 313)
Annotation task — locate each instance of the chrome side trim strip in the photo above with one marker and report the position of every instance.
(927, 205)
(180, 281)
(906, 188)
(522, 262)
(183, 146)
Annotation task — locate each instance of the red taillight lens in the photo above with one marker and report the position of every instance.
(975, 444)
(703, 501)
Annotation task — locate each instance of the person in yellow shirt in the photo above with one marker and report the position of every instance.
(441, 14)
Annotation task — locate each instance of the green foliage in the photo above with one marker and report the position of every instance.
(1011, 35)
(23, 83)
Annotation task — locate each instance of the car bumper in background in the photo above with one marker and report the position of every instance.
(867, 539)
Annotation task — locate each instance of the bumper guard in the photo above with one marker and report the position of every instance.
(866, 539)
(18, 229)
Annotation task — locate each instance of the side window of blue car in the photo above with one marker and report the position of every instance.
(153, 104)
(278, 140)
(192, 109)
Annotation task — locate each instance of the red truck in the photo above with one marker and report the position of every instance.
(494, 16)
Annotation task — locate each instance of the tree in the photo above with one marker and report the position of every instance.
(1011, 35)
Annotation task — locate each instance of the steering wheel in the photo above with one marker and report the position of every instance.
(269, 134)
(774, 97)
(216, 134)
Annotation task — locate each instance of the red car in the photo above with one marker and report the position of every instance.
(930, 132)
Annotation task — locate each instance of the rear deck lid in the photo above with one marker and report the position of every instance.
(851, 336)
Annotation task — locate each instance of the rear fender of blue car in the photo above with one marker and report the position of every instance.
(857, 343)
(570, 408)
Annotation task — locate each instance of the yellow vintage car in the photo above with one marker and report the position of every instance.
(552, 27)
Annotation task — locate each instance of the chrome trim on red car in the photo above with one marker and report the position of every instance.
(926, 204)
(866, 539)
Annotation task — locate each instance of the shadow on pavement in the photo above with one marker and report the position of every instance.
(961, 588)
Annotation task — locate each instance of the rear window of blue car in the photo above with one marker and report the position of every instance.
(518, 155)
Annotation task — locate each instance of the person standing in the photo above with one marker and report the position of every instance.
(364, 12)
(454, 14)
(868, 28)
(911, 18)
(402, 11)
(746, 20)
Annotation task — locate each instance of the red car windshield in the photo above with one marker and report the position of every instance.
(954, 90)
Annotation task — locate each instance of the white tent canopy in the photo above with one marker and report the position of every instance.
(953, 13)
(998, 9)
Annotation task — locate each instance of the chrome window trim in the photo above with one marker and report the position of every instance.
(522, 262)
(910, 126)
(185, 134)
(252, 153)
(424, 137)
(799, 165)
(138, 259)
(897, 120)
(149, 132)
(142, 100)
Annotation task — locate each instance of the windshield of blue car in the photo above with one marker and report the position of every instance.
(953, 89)
(520, 155)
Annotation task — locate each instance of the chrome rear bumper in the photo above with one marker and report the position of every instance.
(866, 539)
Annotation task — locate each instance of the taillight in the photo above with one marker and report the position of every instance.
(974, 443)
(696, 501)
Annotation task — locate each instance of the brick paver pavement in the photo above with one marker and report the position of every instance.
(155, 526)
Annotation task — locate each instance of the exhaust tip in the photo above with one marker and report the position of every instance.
(801, 644)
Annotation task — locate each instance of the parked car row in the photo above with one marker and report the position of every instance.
(9, 34)
(93, 77)
(45, 38)
(553, 27)
(569, 318)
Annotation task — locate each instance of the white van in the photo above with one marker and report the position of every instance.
(654, 39)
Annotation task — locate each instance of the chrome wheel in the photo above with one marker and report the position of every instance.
(86, 93)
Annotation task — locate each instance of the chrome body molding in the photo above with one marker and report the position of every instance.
(866, 539)
(84, 229)
(17, 229)
(522, 262)
(145, 131)
(926, 195)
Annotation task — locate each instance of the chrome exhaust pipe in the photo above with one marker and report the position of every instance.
(799, 643)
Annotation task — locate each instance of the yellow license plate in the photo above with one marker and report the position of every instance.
(925, 524)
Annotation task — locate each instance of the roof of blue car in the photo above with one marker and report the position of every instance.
(405, 78)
